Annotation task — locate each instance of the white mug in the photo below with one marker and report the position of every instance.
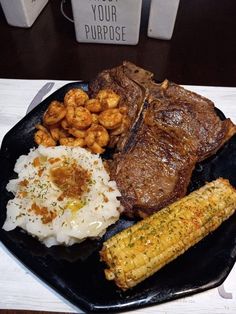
(22, 13)
(162, 18)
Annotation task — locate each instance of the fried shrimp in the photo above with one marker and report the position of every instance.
(79, 117)
(75, 97)
(108, 98)
(43, 137)
(57, 132)
(93, 105)
(41, 127)
(77, 133)
(96, 138)
(80, 121)
(122, 128)
(96, 149)
(95, 118)
(65, 124)
(110, 118)
(71, 141)
(56, 112)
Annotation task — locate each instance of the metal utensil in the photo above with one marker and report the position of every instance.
(40, 94)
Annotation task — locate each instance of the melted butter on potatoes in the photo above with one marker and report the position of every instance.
(62, 195)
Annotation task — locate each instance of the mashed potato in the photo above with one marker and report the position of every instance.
(62, 196)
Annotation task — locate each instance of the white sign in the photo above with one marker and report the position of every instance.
(107, 21)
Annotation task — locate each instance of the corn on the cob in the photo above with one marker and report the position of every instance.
(139, 251)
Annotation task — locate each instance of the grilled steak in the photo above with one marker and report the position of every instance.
(164, 140)
(155, 171)
(198, 120)
(178, 107)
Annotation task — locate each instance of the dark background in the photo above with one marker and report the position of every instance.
(202, 50)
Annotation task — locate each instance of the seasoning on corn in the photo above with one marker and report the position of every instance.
(139, 251)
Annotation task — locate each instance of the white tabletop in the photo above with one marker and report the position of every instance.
(19, 289)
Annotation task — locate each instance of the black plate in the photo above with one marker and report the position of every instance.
(76, 272)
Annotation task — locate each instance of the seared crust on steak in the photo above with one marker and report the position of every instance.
(181, 108)
(155, 171)
(166, 137)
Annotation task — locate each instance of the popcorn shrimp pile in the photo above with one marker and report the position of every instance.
(84, 122)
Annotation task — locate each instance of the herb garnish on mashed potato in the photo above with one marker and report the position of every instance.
(63, 195)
